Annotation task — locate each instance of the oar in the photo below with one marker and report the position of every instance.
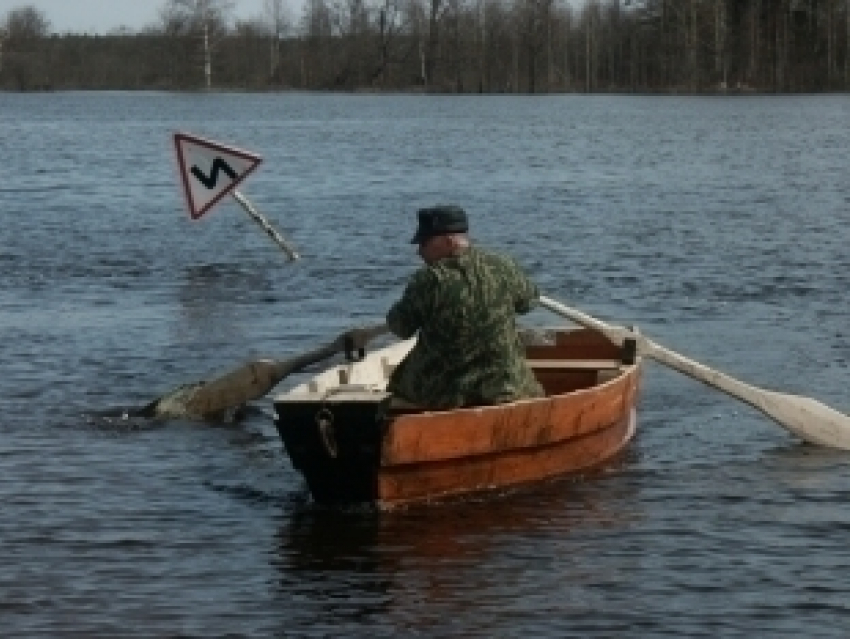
(211, 400)
(805, 417)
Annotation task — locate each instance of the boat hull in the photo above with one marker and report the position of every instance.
(355, 446)
(439, 480)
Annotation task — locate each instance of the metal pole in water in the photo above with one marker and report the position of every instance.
(264, 223)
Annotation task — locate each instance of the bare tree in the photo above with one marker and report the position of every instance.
(279, 24)
(591, 20)
(436, 10)
(415, 12)
(206, 20)
(458, 45)
(26, 23)
(351, 31)
(720, 43)
(534, 19)
(317, 25)
(392, 22)
(26, 61)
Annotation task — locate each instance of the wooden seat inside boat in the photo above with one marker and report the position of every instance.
(576, 364)
(577, 359)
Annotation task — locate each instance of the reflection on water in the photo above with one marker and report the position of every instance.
(418, 569)
(462, 531)
(805, 467)
(210, 296)
(332, 559)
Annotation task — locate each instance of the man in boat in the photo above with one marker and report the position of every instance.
(463, 304)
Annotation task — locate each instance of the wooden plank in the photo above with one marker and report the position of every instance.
(436, 436)
(337, 395)
(575, 364)
(560, 382)
(576, 344)
(417, 482)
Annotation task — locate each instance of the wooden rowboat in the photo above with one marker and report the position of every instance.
(354, 443)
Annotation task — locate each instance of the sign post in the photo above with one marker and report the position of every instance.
(210, 170)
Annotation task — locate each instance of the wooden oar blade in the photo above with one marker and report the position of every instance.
(805, 417)
(212, 400)
(250, 381)
(808, 419)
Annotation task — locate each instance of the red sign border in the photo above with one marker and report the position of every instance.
(187, 192)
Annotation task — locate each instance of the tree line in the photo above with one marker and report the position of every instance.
(462, 46)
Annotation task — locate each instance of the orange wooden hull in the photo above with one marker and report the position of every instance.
(369, 451)
(438, 455)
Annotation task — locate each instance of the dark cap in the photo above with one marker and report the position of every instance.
(440, 220)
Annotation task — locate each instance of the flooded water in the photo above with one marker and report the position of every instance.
(719, 226)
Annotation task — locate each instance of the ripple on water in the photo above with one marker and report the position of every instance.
(717, 226)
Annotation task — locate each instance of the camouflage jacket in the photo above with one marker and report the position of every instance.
(468, 351)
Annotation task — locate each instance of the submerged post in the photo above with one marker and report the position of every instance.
(268, 228)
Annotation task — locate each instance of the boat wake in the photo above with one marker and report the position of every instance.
(177, 405)
(173, 407)
(120, 420)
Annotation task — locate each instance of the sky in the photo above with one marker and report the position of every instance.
(103, 16)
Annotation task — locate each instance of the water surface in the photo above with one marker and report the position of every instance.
(718, 226)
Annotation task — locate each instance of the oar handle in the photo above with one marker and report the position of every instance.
(616, 334)
(353, 342)
(342, 344)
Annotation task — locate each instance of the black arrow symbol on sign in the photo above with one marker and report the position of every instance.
(217, 165)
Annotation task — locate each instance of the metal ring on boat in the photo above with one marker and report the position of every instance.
(325, 424)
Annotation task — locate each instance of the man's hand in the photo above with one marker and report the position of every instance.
(354, 341)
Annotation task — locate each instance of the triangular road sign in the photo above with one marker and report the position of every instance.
(210, 171)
